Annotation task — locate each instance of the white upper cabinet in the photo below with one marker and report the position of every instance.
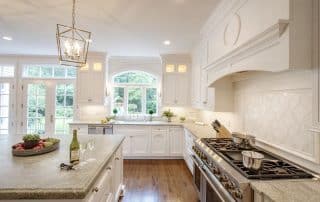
(176, 80)
(243, 35)
(91, 80)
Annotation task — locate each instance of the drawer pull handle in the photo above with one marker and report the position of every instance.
(109, 168)
(117, 158)
(96, 189)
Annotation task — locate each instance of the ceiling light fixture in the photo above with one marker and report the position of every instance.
(73, 43)
(167, 42)
(8, 38)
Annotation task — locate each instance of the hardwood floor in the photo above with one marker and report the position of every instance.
(158, 181)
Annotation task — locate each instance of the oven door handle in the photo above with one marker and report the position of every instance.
(197, 161)
(216, 185)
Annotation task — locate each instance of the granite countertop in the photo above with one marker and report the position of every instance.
(289, 190)
(39, 177)
(198, 131)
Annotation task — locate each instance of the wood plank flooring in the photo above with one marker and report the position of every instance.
(158, 181)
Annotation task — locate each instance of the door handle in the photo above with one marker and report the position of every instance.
(51, 118)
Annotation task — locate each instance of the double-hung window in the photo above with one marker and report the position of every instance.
(135, 92)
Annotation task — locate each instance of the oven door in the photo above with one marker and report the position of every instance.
(197, 175)
(209, 187)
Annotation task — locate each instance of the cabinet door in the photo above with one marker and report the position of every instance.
(195, 77)
(90, 87)
(176, 141)
(127, 146)
(169, 89)
(139, 143)
(159, 142)
(204, 88)
(182, 90)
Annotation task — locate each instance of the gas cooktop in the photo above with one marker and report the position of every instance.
(230, 152)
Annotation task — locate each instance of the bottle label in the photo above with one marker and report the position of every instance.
(74, 155)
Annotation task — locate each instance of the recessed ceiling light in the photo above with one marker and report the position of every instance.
(8, 38)
(167, 42)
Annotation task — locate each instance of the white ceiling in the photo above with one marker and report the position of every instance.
(119, 27)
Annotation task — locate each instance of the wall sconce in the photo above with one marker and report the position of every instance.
(182, 68)
(97, 67)
(169, 68)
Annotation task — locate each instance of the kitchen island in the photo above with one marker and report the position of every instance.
(40, 177)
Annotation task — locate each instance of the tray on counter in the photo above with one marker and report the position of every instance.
(33, 152)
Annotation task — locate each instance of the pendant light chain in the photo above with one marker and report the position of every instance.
(74, 14)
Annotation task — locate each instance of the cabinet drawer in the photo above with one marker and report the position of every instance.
(159, 129)
(102, 190)
(81, 129)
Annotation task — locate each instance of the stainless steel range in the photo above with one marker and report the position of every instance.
(220, 175)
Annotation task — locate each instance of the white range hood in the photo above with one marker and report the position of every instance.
(272, 43)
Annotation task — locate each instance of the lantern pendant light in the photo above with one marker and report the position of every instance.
(73, 43)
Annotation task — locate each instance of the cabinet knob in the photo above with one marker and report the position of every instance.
(96, 189)
(89, 100)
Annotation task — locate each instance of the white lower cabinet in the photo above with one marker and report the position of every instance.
(82, 129)
(159, 141)
(187, 150)
(176, 141)
(140, 143)
(151, 141)
(118, 178)
(109, 183)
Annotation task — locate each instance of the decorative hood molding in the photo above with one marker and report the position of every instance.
(247, 41)
(231, 62)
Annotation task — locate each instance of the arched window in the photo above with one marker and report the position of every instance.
(135, 92)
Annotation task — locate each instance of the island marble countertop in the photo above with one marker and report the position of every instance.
(289, 190)
(198, 131)
(39, 177)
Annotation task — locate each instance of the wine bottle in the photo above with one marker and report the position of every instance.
(74, 149)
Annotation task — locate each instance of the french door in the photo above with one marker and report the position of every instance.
(48, 106)
(6, 106)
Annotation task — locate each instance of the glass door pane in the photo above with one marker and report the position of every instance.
(36, 108)
(4, 108)
(63, 108)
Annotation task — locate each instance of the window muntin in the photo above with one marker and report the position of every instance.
(49, 71)
(135, 92)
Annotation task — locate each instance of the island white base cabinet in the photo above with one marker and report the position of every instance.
(151, 142)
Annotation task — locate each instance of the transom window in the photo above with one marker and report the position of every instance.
(135, 92)
(6, 71)
(49, 71)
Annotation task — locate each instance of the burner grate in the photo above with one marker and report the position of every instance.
(230, 152)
